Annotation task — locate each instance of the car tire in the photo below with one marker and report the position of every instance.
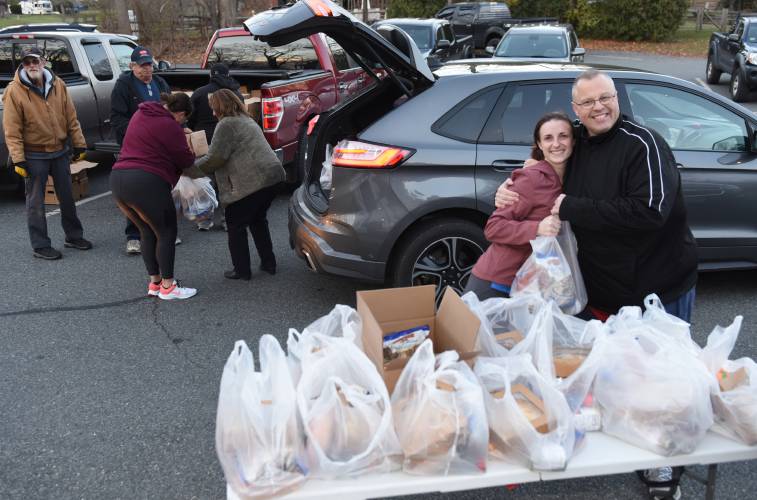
(712, 74)
(439, 252)
(738, 88)
(492, 42)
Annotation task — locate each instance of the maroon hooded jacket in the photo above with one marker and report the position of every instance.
(155, 143)
(511, 228)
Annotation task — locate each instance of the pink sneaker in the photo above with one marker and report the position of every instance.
(176, 292)
(153, 289)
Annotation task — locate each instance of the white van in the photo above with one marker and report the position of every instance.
(36, 7)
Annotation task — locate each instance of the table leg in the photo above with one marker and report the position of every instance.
(712, 471)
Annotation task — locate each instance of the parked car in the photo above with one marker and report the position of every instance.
(735, 52)
(435, 39)
(541, 43)
(482, 20)
(416, 164)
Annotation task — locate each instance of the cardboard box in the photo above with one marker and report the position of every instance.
(508, 340)
(567, 361)
(198, 143)
(252, 105)
(79, 183)
(453, 327)
(530, 405)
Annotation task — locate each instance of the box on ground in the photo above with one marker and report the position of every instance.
(79, 183)
(453, 327)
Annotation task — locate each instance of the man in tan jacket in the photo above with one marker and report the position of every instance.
(39, 120)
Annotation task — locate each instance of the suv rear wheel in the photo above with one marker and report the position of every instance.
(712, 73)
(439, 252)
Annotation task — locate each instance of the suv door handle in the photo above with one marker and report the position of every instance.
(506, 165)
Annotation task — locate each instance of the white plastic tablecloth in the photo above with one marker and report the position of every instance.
(598, 455)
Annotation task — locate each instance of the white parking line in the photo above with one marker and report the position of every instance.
(80, 202)
(701, 82)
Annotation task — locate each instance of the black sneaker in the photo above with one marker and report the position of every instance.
(78, 243)
(234, 275)
(47, 253)
(662, 483)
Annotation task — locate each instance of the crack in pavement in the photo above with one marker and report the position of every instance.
(90, 307)
(174, 340)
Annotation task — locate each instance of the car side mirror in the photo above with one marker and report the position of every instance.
(164, 65)
(443, 44)
(733, 37)
(489, 50)
(579, 51)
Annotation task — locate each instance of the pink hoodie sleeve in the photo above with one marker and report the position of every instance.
(508, 225)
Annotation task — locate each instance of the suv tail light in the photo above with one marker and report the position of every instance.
(273, 110)
(356, 154)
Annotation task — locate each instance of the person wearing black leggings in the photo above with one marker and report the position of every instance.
(153, 155)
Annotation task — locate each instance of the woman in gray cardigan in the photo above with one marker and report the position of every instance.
(247, 171)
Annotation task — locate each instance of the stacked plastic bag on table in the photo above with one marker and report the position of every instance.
(651, 387)
(529, 419)
(439, 415)
(552, 272)
(257, 439)
(735, 398)
(196, 198)
(345, 410)
(342, 321)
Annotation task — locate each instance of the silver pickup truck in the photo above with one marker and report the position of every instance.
(88, 62)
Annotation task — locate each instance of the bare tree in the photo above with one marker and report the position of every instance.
(121, 9)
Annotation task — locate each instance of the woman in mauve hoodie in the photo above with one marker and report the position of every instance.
(510, 229)
(152, 157)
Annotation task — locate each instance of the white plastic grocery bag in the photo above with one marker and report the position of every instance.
(735, 399)
(257, 439)
(439, 415)
(195, 197)
(552, 272)
(529, 420)
(327, 170)
(504, 322)
(345, 410)
(342, 321)
(653, 393)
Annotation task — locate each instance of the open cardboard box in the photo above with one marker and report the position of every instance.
(453, 327)
(79, 183)
(198, 143)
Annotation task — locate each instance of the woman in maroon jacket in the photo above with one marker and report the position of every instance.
(511, 228)
(153, 154)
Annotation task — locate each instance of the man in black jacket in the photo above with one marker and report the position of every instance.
(133, 87)
(623, 199)
(202, 117)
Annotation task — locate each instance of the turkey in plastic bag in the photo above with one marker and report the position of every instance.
(345, 410)
(735, 400)
(342, 321)
(439, 415)
(257, 438)
(195, 197)
(529, 420)
(653, 393)
(552, 272)
(504, 322)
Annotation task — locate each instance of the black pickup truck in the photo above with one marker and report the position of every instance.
(735, 52)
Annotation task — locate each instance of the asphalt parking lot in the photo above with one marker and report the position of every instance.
(105, 393)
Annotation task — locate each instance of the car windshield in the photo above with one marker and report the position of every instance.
(532, 45)
(421, 35)
(751, 34)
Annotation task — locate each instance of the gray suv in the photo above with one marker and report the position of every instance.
(417, 158)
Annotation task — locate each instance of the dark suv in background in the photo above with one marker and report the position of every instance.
(483, 20)
(417, 158)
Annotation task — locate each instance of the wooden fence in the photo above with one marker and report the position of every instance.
(720, 19)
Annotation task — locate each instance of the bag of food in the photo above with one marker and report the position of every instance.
(345, 410)
(504, 322)
(439, 415)
(327, 170)
(734, 401)
(196, 198)
(552, 272)
(529, 420)
(342, 321)
(653, 393)
(257, 439)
